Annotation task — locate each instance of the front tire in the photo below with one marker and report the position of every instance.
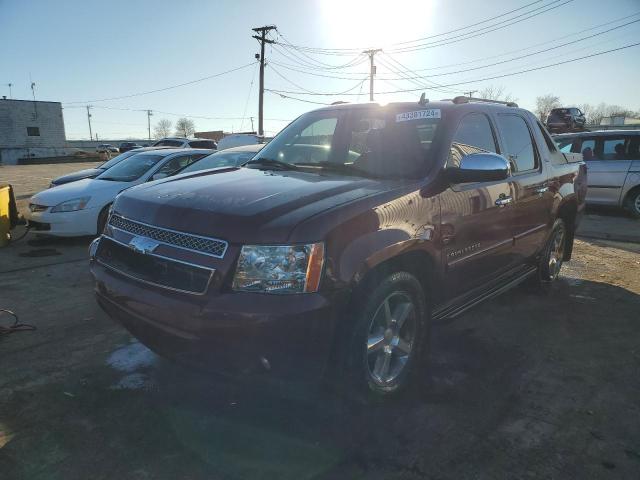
(389, 336)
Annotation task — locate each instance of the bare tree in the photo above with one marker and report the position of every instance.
(162, 128)
(185, 127)
(544, 105)
(496, 92)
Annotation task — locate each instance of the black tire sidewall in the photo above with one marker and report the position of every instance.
(371, 296)
(631, 204)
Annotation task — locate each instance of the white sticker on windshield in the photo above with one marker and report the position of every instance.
(418, 114)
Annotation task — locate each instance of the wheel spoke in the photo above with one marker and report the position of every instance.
(387, 312)
(374, 343)
(401, 312)
(404, 346)
(381, 368)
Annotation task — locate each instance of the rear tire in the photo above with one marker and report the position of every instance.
(552, 256)
(633, 202)
(389, 337)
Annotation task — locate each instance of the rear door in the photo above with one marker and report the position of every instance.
(607, 167)
(475, 217)
(532, 200)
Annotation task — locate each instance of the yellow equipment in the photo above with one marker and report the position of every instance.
(8, 214)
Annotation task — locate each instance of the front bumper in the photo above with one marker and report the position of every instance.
(234, 333)
(65, 224)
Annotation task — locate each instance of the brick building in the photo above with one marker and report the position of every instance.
(30, 129)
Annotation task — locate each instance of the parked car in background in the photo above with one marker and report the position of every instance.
(181, 142)
(231, 157)
(126, 146)
(237, 140)
(332, 250)
(94, 172)
(613, 162)
(80, 208)
(107, 148)
(565, 120)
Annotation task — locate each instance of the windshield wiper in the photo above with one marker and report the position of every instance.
(338, 168)
(271, 163)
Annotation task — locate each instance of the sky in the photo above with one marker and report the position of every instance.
(80, 52)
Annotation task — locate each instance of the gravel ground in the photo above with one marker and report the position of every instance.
(528, 385)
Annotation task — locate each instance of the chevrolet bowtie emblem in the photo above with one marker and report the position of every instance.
(143, 245)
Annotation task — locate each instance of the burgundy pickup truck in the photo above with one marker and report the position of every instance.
(332, 251)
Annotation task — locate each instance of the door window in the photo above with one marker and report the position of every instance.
(613, 149)
(518, 143)
(176, 164)
(474, 135)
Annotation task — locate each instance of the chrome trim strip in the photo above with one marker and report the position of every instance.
(530, 231)
(147, 282)
(455, 262)
(226, 244)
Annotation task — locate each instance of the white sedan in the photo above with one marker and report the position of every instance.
(81, 208)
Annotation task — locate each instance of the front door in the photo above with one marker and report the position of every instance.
(475, 217)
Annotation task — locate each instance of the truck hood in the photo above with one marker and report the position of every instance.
(242, 205)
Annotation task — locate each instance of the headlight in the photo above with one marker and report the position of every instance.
(279, 269)
(71, 205)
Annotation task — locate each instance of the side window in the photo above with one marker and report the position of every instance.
(313, 144)
(612, 149)
(177, 163)
(587, 147)
(634, 148)
(518, 143)
(547, 138)
(474, 135)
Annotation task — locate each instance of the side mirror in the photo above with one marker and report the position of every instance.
(480, 167)
(158, 176)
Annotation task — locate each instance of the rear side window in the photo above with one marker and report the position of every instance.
(474, 135)
(612, 149)
(203, 144)
(518, 143)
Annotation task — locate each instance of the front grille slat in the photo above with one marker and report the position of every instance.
(153, 269)
(208, 246)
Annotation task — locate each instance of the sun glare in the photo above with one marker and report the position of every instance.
(375, 23)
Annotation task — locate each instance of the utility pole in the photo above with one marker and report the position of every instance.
(252, 124)
(262, 38)
(89, 119)
(470, 93)
(372, 71)
(149, 115)
(10, 85)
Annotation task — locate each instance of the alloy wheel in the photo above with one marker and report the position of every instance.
(556, 252)
(391, 338)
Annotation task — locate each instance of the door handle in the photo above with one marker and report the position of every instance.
(541, 190)
(504, 200)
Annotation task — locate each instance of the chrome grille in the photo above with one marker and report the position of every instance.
(209, 246)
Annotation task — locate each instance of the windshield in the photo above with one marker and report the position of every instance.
(116, 159)
(376, 142)
(131, 168)
(220, 159)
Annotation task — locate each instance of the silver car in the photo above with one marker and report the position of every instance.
(613, 165)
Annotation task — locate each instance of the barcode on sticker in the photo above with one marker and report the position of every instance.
(418, 114)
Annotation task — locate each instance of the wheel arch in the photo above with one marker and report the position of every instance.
(568, 212)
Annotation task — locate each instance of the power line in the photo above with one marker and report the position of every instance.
(282, 95)
(246, 104)
(479, 79)
(445, 41)
(209, 77)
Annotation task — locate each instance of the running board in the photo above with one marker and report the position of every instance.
(456, 310)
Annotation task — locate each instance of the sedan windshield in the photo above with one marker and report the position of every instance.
(219, 160)
(376, 142)
(116, 159)
(131, 168)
